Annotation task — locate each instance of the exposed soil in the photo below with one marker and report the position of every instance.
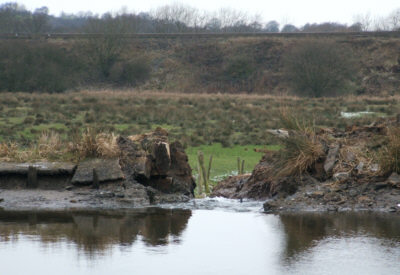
(344, 179)
(148, 171)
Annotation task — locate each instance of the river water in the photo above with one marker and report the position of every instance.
(201, 237)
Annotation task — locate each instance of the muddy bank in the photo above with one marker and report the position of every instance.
(148, 170)
(341, 176)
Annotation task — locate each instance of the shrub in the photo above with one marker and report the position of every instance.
(36, 66)
(239, 68)
(319, 68)
(132, 73)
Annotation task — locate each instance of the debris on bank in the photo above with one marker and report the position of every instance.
(326, 169)
(147, 169)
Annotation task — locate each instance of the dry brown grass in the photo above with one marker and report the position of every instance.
(300, 153)
(301, 149)
(8, 151)
(50, 147)
(93, 144)
(389, 155)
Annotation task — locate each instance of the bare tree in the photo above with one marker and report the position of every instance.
(394, 19)
(365, 20)
(105, 49)
(177, 17)
(40, 19)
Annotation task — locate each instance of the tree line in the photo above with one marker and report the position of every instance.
(175, 18)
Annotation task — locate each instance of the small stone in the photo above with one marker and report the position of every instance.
(365, 200)
(360, 167)
(341, 176)
(332, 196)
(73, 201)
(69, 187)
(332, 208)
(394, 179)
(380, 185)
(120, 195)
(269, 206)
(374, 168)
(105, 195)
(350, 156)
(317, 194)
(1, 199)
(331, 158)
(353, 193)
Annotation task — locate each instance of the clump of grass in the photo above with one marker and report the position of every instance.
(301, 149)
(299, 154)
(93, 144)
(389, 155)
(8, 151)
(107, 146)
(49, 146)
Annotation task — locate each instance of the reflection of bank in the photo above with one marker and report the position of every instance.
(96, 231)
(303, 231)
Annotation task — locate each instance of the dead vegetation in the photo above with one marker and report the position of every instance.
(50, 147)
(372, 150)
(389, 155)
(302, 147)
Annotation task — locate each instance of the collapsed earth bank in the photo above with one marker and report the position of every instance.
(149, 170)
(342, 176)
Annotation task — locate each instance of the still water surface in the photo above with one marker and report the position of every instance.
(201, 239)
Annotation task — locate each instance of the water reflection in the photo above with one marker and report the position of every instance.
(209, 242)
(96, 231)
(305, 231)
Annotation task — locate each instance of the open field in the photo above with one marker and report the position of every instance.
(227, 126)
(194, 119)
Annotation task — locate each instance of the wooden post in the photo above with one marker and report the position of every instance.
(204, 172)
(242, 168)
(32, 177)
(199, 181)
(209, 168)
(96, 184)
(238, 165)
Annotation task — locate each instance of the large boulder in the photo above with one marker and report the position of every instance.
(152, 161)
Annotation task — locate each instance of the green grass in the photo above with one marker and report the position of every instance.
(225, 159)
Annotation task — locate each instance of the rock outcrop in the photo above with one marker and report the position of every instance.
(152, 161)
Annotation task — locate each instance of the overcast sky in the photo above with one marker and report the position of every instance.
(296, 12)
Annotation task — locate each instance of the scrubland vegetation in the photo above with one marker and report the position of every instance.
(194, 119)
(219, 92)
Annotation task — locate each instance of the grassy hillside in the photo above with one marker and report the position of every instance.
(213, 65)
